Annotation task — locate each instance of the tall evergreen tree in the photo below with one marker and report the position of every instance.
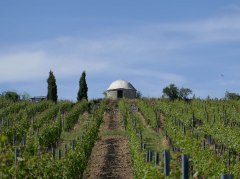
(83, 89)
(52, 87)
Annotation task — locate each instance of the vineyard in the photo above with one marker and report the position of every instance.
(144, 138)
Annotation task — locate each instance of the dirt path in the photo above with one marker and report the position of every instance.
(110, 156)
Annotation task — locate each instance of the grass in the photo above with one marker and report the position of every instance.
(66, 137)
(114, 132)
(153, 140)
(156, 142)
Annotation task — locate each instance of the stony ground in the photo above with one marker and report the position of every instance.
(110, 156)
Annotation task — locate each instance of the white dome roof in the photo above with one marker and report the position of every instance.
(121, 84)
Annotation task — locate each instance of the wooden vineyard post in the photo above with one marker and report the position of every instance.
(226, 176)
(82, 137)
(185, 166)
(73, 144)
(144, 146)
(156, 158)
(59, 154)
(53, 153)
(175, 121)
(32, 120)
(157, 121)
(166, 155)
(39, 150)
(193, 119)
(150, 156)
(147, 156)
(207, 117)
(184, 130)
(63, 117)
(229, 157)
(17, 154)
(204, 144)
(215, 148)
(225, 118)
(24, 139)
(134, 122)
(14, 139)
(140, 140)
(65, 149)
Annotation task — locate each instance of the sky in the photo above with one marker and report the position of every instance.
(150, 43)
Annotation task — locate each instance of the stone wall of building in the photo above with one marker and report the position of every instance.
(129, 94)
(112, 94)
(126, 94)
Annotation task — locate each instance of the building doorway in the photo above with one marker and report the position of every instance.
(120, 94)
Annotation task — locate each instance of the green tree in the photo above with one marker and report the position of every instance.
(138, 95)
(52, 87)
(83, 89)
(12, 96)
(105, 94)
(25, 96)
(171, 92)
(184, 93)
(232, 96)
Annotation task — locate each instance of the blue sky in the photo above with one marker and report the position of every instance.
(151, 43)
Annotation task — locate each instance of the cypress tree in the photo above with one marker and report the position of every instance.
(52, 87)
(83, 89)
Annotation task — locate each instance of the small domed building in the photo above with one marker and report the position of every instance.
(121, 89)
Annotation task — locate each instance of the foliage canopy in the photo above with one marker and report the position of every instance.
(83, 88)
(173, 92)
(52, 87)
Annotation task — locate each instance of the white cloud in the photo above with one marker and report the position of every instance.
(19, 66)
(150, 52)
(34, 65)
(217, 29)
(158, 75)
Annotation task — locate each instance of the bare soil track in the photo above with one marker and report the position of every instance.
(110, 156)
